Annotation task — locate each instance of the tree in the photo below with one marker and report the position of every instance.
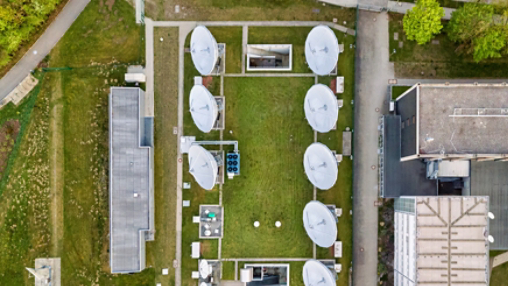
(469, 22)
(423, 21)
(489, 45)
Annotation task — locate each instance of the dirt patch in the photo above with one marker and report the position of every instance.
(333, 84)
(207, 81)
(386, 245)
(8, 134)
(110, 4)
(205, 247)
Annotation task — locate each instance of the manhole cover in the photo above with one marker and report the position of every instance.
(361, 249)
(377, 109)
(373, 167)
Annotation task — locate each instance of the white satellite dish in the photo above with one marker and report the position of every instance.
(491, 215)
(204, 268)
(316, 273)
(321, 108)
(204, 50)
(320, 166)
(203, 108)
(203, 167)
(322, 50)
(320, 224)
(491, 239)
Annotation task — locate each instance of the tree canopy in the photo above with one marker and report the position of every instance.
(423, 21)
(470, 21)
(475, 28)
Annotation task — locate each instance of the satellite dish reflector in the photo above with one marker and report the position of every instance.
(203, 108)
(321, 108)
(320, 166)
(491, 239)
(322, 50)
(204, 50)
(203, 167)
(204, 268)
(316, 273)
(320, 224)
(491, 215)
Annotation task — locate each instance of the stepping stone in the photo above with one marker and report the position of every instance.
(177, 9)
(396, 36)
(401, 44)
(435, 42)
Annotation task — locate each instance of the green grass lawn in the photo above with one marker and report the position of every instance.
(266, 116)
(499, 274)
(398, 90)
(437, 60)
(249, 10)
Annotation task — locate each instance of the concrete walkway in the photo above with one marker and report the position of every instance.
(402, 7)
(413, 81)
(372, 71)
(382, 5)
(500, 259)
(42, 47)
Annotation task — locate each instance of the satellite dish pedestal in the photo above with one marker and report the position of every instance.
(42, 274)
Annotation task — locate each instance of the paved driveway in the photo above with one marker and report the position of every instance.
(373, 70)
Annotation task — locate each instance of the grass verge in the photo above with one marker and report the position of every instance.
(161, 251)
(258, 10)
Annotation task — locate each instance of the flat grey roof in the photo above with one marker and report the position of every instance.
(463, 119)
(130, 182)
(491, 179)
(408, 178)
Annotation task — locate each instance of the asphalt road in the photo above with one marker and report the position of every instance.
(42, 47)
(372, 71)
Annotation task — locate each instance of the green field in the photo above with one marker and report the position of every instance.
(266, 117)
(248, 10)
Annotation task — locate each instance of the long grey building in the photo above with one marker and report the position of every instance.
(131, 203)
(449, 139)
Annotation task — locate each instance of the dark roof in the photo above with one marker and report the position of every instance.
(402, 178)
(406, 108)
(491, 179)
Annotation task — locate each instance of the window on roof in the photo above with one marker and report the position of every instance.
(414, 119)
(402, 125)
